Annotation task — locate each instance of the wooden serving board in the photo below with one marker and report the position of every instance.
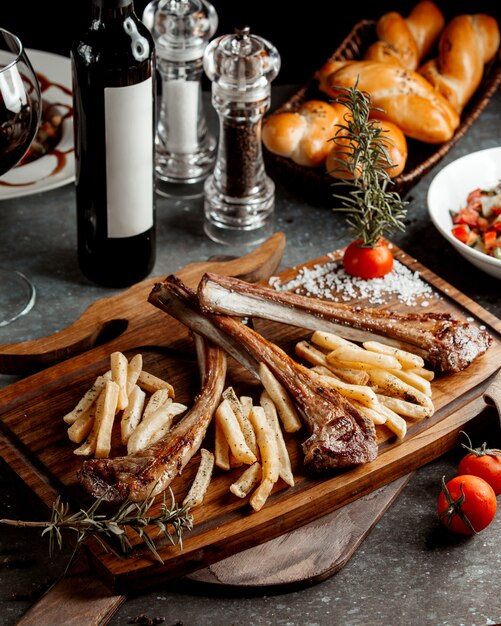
(34, 437)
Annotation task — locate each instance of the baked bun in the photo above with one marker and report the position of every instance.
(393, 140)
(402, 96)
(406, 41)
(467, 43)
(303, 135)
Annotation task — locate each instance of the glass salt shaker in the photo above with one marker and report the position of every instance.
(185, 151)
(239, 197)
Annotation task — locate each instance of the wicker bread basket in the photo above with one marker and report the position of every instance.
(316, 185)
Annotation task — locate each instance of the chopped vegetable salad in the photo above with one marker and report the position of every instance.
(478, 223)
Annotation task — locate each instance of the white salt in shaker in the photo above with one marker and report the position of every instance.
(239, 197)
(184, 149)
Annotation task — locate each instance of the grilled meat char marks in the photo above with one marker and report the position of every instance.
(150, 471)
(446, 343)
(340, 436)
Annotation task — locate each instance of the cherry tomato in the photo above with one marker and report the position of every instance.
(466, 504)
(484, 463)
(367, 262)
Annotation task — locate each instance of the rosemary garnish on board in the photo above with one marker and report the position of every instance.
(169, 524)
(373, 210)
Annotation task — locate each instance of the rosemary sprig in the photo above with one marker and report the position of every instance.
(169, 523)
(373, 210)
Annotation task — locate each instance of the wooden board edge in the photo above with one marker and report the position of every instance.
(196, 555)
(448, 290)
(244, 569)
(86, 601)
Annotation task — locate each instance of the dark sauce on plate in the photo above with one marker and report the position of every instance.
(49, 135)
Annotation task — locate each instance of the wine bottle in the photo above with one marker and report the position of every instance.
(113, 73)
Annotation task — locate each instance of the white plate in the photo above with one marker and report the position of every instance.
(448, 192)
(56, 168)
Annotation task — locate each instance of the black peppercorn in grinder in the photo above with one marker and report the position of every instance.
(239, 197)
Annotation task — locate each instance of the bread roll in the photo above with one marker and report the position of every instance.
(406, 41)
(303, 135)
(404, 97)
(394, 143)
(467, 43)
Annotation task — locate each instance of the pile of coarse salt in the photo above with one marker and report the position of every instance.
(331, 282)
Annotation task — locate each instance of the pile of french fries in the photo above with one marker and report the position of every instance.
(143, 402)
(388, 385)
(251, 434)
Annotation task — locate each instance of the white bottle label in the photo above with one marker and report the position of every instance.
(129, 158)
(181, 100)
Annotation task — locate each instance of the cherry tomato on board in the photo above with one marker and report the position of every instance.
(366, 261)
(467, 504)
(483, 462)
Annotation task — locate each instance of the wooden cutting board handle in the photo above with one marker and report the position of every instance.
(115, 316)
(492, 395)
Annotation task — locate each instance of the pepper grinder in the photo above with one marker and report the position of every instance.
(239, 197)
(185, 151)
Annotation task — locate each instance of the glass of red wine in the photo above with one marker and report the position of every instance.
(20, 111)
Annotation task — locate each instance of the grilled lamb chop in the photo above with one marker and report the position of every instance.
(447, 344)
(340, 436)
(150, 471)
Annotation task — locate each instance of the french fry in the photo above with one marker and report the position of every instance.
(363, 394)
(154, 426)
(394, 422)
(86, 401)
(309, 353)
(267, 443)
(330, 341)
(234, 462)
(405, 409)
(221, 447)
(233, 433)
(271, 413)
(247, 480)
(386, 381)
(347, 375)
(423, 372)
(372, 413)
(407, 359)
(200, 484)
(88, 447)
(82, 426)
(243, 419)
(246, 402)
(106, 409)
(157, 399)
(356, 354)
(119, 367)
(261, 493)
(132, 413)
(134, 368)
(414, 380)
(151, 383)
(317, 358)
(285, 408)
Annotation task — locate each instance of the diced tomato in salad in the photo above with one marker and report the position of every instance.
(478, 222)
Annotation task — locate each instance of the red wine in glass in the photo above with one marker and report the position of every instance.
(20, 110)
(16, 132)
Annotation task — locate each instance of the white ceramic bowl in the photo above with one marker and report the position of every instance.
(448, 191)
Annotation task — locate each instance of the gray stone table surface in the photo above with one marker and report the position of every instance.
(406, 571)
